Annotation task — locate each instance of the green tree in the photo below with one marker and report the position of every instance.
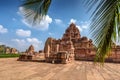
(35, 10)
(1, 49)
(105, 25)
(105, 21)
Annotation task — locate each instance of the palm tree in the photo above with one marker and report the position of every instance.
(35, 10)
(105, 21)
(105, 25)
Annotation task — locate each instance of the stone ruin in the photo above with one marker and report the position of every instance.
(70, 47)
(30, 54)
(30, 50)
(9, 50)
(55, 53)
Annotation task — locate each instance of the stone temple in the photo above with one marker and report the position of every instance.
(72, 43)
(72, 46)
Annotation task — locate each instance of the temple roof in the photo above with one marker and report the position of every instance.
(72, 32)
(31, 48)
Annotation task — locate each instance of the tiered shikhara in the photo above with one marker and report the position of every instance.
(69, 47)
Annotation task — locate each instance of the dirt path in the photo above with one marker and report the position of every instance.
(11, 69)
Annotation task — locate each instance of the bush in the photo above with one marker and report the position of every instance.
(9, 55)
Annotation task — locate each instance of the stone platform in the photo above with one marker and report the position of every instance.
(11, 69)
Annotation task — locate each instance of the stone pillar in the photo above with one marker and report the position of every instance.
(48, 51)
(57, 48)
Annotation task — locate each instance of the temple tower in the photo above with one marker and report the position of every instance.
(72, 32)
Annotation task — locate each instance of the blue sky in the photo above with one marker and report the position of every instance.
(16, 32)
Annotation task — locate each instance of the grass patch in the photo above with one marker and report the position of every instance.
(9, 55)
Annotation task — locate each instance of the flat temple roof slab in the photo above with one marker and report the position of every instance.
(11, 69)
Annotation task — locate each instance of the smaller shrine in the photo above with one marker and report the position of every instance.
(30, 54)
(8, 50)
(30, 50)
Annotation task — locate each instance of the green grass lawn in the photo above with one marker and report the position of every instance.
(8, 55)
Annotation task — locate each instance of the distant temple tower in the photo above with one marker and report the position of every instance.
(30, 49)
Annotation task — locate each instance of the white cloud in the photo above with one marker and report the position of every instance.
(82, 26)
(85, 25)
(43, 25)
(26, 23)
(13, 19)
(23, 33)
(20, 11)
(58, 21)
(51, 34)
(80, 29)
(35, 42)
(20, 42)
(3, 30)
(39, 25)
(73, 21)
(23, 44)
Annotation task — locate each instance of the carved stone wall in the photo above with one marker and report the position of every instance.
(72, 42)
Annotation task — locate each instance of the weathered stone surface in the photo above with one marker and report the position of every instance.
(72, 32)
(30, 50)
(48, 45)
(72, 43)
(30, 54)
(7, 50)
(11, 50)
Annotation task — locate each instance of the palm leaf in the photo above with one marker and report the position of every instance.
(35, 10)
(105, 25)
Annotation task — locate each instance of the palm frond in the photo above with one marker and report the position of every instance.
(105, 25)
(35, 10)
